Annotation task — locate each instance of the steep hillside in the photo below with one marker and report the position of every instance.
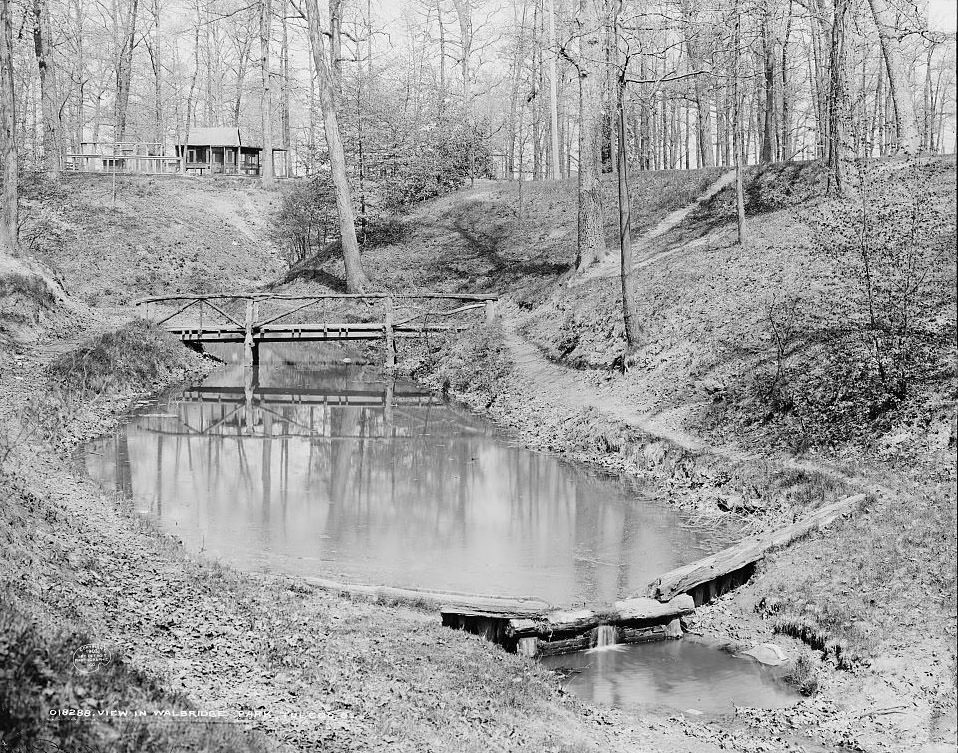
(149, 235)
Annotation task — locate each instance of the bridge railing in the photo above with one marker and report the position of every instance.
(252, 317)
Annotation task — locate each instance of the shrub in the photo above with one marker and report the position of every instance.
(885, 238)
(851, 353)
(136, 356)
(803, 676)
(473, 361)
(306, 219)
(22, 298)
(447, 154)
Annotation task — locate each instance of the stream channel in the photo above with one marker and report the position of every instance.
(327, 470)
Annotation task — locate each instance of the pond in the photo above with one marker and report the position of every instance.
(322, 468)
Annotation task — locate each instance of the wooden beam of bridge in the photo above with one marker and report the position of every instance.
(262, 296)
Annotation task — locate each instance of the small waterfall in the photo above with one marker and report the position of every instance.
(605, 635)
(528, 647)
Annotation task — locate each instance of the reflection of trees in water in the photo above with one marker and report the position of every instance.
(382, 484)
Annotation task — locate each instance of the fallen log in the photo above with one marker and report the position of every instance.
(642, 608)
(503, 607)
(736, 560)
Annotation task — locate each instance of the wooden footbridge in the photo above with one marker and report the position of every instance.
(254, 318)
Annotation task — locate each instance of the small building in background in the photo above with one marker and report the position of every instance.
(208, 151)
(222, 151)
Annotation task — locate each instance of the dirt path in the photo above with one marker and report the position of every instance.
(642, 250)
(577, 389)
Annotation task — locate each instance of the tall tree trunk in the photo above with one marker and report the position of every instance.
(554, 164)
(80, 76)
(836, 98)
(590, 245)
(242, 50)
(356, 280)
(159, 130)
(737, 122)
(513, 95)
(768, 119)
(535, 74)
(703, 119)
(336, 44)
(928, 110)
(48, 88)
(265, 24)
(189, 97)
(442, 53)
(284, 109)
(629, 319)
(906, 122)
(9, 212)
(124, 73)
(878, 115)
(785, 140)
(464, 14)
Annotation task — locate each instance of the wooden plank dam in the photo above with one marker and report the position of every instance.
(253, 318)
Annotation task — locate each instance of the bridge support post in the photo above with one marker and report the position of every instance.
(491, 312)
(390, 335)
(251, 347)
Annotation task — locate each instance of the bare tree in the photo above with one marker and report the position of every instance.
(554, 171)
(124, 68)
(356, 280)
(906, 121)
(590, 239)
(48, 88)
(265, 27)
(837, 95)
(9, 213)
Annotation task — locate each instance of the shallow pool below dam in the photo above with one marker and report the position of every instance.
(688, 675)
(324, 469)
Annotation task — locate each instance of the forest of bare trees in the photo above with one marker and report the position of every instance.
(532, 89)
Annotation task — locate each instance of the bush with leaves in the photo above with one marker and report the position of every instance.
(474, 361)
(879, 328)
(886, 238)
(307, 219)
(449, 153)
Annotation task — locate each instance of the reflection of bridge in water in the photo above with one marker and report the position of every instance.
(284, 412)
(282, 396)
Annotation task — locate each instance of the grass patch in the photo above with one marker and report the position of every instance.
(888, 567)
(803, 675)
(22, 299)
(473, 362)
(138, 356)
(38, 675)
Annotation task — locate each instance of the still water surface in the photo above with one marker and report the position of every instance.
(329, 471)
(685, 675)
